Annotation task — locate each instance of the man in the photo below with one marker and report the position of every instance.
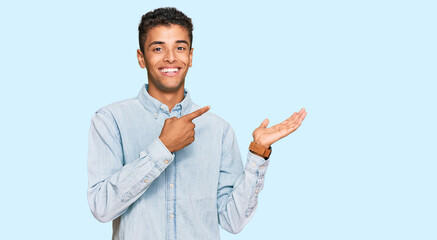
(161, 167)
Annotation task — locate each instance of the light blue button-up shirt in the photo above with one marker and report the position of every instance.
(151, 193)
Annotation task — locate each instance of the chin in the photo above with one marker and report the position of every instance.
(171, 86)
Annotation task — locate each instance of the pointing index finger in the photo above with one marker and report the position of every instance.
(196, 113)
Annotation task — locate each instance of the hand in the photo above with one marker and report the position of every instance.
(267, 136)
(178, 133)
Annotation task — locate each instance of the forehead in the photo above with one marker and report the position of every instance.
(167, 33)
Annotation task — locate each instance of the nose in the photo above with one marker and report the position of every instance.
(169, 57)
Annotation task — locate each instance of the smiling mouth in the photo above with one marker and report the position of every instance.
(169, 71)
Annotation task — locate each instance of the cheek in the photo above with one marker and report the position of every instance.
(186, 59)
(150, 62)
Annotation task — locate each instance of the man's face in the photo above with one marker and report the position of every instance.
(167, 57)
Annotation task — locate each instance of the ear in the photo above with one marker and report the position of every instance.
(141, 60)
(191, 57)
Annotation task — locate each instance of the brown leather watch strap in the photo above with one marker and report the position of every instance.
(256, 148)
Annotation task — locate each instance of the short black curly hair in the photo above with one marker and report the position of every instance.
(163, 16)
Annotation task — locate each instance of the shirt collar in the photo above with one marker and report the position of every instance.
(152, 104)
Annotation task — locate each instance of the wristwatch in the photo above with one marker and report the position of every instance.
(260, 150)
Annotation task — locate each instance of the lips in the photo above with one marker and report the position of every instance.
(170, 71)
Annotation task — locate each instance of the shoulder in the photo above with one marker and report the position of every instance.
(121, 107)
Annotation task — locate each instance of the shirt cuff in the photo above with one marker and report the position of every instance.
(256, 164)
(159, 154)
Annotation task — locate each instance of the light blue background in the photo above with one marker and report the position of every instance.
(362, 165)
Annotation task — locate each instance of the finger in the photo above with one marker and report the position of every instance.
(196, 113)
(291, 118)
(296, 119)
(170, 119)
(265, 123)
(295, 125)
(287, 121)
(302, 117)
(297, 116)
(292, 128)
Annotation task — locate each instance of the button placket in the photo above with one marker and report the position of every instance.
(170, 176)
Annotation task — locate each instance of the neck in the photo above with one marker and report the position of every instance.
(168, 98)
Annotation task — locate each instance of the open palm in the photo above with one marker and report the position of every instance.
(267, 136)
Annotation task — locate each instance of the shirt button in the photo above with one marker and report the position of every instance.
(171, 185)
(171, 216)
(256, 191)
(261, 167)
(162, 107)
(146, 181)
(166, 162)
(155, 115)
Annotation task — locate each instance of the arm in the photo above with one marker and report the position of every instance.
(112, 187)
(237, 194)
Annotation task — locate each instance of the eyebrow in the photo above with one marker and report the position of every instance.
(182, 41)
(156, 43)
(161, 42)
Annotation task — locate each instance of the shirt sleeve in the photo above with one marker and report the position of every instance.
(238, 188)
(112, 186)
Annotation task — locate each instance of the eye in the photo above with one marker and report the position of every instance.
(157, 49)
(181, 48)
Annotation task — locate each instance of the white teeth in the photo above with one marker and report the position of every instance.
(166, 70)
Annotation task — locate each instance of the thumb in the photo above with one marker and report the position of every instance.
(264, 123)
